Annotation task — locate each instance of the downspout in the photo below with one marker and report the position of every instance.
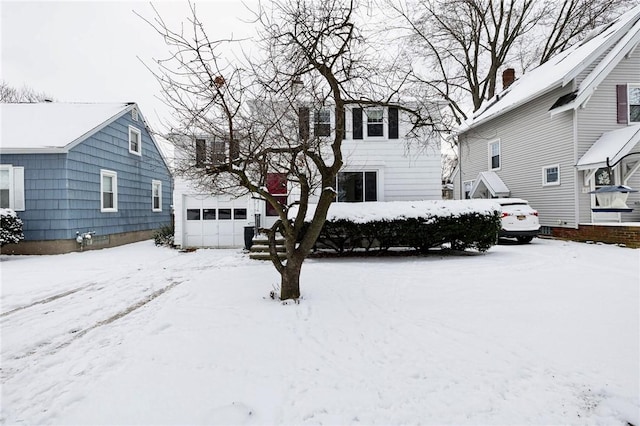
(460, 167)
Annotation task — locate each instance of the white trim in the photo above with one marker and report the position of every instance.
(544, 175)
(134, 113)
(135, 130)
(155, 183)
(114, 183)
(490, 154)
(471, 183)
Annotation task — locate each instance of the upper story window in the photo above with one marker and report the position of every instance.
(135, 140)
(108, 191)
(357, 186)
(628, 100)
(634, 103)
(551, 175)
(494, 155)
(322, 122)
(380, 122)
(210, 152)
(375, 122)
(156, 196)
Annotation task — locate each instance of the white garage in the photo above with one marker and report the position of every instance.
(216, 222)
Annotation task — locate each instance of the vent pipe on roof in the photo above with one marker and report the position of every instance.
(508, 77)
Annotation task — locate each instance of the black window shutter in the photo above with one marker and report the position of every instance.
(201, 152)
(357, 123)
(623, 108)
(393, 123)
(303, 122)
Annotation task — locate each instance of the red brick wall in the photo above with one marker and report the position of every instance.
(627, 235)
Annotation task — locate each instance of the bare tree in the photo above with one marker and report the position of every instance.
(312, 57)
(465, 43)
(9, 94)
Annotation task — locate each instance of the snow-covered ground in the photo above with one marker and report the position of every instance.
(546, 333)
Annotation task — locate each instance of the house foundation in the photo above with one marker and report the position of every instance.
(67, 246)
(627, 234)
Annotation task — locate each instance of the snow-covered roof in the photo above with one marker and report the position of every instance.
(612, 145)
(617, 37)
(492, 182)
(53, 126)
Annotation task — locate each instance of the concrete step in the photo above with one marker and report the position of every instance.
(265, 256)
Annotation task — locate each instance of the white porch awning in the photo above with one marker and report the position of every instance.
(612, 145)
(492, 183)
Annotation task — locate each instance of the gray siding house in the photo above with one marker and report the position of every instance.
(83, 170)
(547, 137)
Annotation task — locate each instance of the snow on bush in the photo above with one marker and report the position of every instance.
(464, 224)
(10, 227)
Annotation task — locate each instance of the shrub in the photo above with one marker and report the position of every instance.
(11, 227)
(420, 225)
(164, 236)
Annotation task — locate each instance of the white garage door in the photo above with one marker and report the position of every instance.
(214, 221)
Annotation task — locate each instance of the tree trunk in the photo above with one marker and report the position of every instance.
(290, 278)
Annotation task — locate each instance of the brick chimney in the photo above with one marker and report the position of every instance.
(508, 77)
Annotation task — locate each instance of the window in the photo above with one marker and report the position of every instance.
(494, 155)
(357, 186)
(628, 102)
(210, 152)
(156, 195)
(209, 214)
(108, 191)
(322, 122)
(467, 186)
(375, 125)
(224, 214)
(634, 104)
(12, 187)
(135, 141)
(239, 214)
(551, 175)
(193, 214)
(5, 188)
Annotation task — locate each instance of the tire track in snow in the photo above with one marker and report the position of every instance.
(43, 301)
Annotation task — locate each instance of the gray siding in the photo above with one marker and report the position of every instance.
(62, 191)
(598, 117)
(530, 139)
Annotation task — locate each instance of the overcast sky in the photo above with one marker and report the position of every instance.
(90, 51)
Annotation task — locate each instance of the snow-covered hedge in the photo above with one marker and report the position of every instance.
(10, 227)
(464, 224)
(164, 236)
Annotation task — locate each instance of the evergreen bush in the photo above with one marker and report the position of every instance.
(164, 236)
(10, 227)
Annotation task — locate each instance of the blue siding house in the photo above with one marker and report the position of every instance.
(84, 170)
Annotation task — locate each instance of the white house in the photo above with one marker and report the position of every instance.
(380, 165)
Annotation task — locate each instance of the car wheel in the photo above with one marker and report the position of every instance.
(524, 240)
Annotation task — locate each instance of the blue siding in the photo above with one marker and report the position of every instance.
(62, 191)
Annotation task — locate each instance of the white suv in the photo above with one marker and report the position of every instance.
(519, 220)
